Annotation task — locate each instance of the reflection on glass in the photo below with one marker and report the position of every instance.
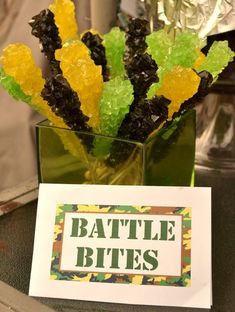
(215, 146)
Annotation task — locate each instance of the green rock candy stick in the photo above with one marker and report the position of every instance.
(114, 43)
(217, 59)
(159, 43)
(114, 105)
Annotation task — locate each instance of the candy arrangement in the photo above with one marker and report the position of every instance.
(127, 84)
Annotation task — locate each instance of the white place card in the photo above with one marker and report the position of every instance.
(142, 245)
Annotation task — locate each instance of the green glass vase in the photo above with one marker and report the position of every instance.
(166, 158)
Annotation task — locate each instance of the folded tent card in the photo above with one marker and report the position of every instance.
(123, 244)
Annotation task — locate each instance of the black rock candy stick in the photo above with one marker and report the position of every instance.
(44, 27)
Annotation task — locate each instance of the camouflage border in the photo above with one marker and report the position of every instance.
(184, 280)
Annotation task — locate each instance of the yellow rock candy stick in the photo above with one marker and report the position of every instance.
(65, 20)
(84, 77)
(178, 85)
(18, 62)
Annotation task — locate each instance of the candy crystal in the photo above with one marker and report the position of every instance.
(13, 88)
(178, 85)
(184, 52)
(64, 11)
(203, 90)
(114, 42)
(114, 105)
(141, 71)
(44, 28)
(217, 59)
(65, 103)
(94, 44)
(139, 65)
(138, 125)
(136, 32)
(159, 43)
(84, 77)
(18, 62)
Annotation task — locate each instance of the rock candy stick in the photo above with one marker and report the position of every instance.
(178, 85)
(184, 51)
(159, 44)
(139, 65)
(18, 63)
(136, 33)
(203, 90)
(114, 105)
(57, 92)
(218, 57)
(84, 77)
(114, 42)
(65, 103)
(44, 28)
(94, 43)
(64, 11)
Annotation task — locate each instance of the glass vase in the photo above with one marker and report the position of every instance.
(166, 158)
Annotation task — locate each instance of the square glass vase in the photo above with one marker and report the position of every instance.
(166, 158)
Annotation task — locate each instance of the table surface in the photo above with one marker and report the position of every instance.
(16, 248)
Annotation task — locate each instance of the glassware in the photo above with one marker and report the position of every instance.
(166, 158)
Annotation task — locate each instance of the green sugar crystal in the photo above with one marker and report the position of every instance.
(9, 84)
(114, 105)
(159, 43)
(217, 58)
(185, 50)
(168, 54)
(153, 90)
(114, 43)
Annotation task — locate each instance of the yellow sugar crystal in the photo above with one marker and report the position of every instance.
(69, 139)
(47, 112)
(18, 62)
(179, 85)
(64, 11)
(84, 77)
(200, 59)
(72, 52)
(173, 107)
